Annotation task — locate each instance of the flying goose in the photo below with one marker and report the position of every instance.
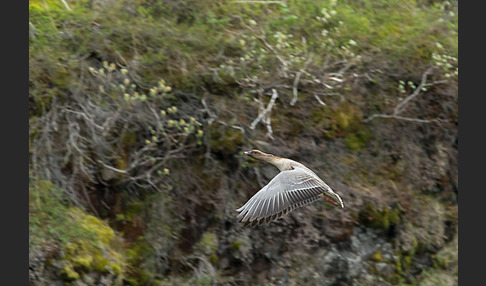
(295, 186)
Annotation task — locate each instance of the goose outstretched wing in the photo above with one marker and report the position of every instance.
(284, 193)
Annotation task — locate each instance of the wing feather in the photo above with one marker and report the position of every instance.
(285, 192)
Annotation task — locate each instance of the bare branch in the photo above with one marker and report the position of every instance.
(435, 120)
(294, 89)
(232, 126)
(265, 113)
(82, 114)
(112, 168)
(211, 114)
(400, 107)
(66, 5)
(319, 100)
(267, 122)
(284, 63)
(346, 67)
(297, 79)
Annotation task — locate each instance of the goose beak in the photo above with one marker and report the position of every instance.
(248, 153)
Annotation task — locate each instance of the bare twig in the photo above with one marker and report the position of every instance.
(112, 168)
(294, 89)
(284, 63)
(297, 79)
(232, 126)
(436, 120)
(319, 100)
(346, 67)
(111, 121)
(402, 105)
(66, 5)
(85, 116)
(267, 122)
(265, 114)
(211, 114)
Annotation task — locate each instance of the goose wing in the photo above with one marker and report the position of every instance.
(285, 192)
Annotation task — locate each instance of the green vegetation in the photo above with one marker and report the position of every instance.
(380, 218)
(83, 243)
(208, 246)
(139, 112)
(48, 220)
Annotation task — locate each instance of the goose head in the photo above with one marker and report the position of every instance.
(257, 154)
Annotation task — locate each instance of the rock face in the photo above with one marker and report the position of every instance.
(386, 234)
(373, 241)
(304, 255)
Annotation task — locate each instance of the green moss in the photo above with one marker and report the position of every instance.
(100, 263)
(225, 140)
(120, 217)
(98, 253)
(344, 120)
(137, 251)
(447, 258)
(438, 277)
(86, 242)
(398, 265)
(104, 234)
(51, 218)
(213, 259)
(208, 243)
(377, 256)
(379, 218)
(116, 268)
(136, 256)
(402, 263)
(235, 246)
(424, 225)
(358, 138)
(134, 209)
(407, 261)
(394, 216)
(68, 272)
(144, 253)
(129, 139)
(84, 261)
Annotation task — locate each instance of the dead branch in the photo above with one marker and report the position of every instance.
(319, 100)
(294, 89)
(399, 108)
(265, 114)
(66, 5)
(232, 126)
(112, 168)
(284, 63)
(436, 120)
(297, 79)
(211, 114)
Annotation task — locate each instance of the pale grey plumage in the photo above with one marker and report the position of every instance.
(295, 186)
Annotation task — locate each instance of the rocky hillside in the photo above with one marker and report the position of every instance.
(140, 112)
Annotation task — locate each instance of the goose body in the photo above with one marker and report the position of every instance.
(295, 186)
